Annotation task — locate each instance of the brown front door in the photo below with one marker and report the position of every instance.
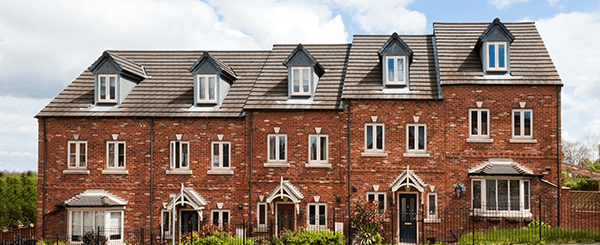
(285, 217)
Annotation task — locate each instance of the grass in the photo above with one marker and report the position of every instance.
(531, 236)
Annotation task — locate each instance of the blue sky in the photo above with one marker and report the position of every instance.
(41, 51)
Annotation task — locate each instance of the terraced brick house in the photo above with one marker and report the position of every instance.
(295, 136)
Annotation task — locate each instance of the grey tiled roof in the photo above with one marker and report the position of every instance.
(95, 198)
(364, 77)
(500, 167)
(459, 62)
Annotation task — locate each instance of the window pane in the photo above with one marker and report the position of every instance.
(225, 216)
(321, 214)
(225, 155)
(477, 194)
(211, 88)
(421, 137)
(296, 74)
(88, 221)
(121, 155)
(490, 194)
(111, 154)
(184, 154)
(272, 146)
(312, 212)
(517, 122)
(215, 155)
(484, 123)
(432, 208)
(72, 154)
(281, 147)
(514, 195)
(202, 83)
(370, 197)
(502, 194)
(261, 214)
(76, 224)
(526, 194)
(400, 70)
(474, 122)
(491, 56)
(215, 216)
(379, 137)
(166, 221)
(411, 137)
(391, 70)
(323, 148)
(381, 199)
(100, 220)
(313, 148)
(82, 151)
(102, 88)
(527, 123)
(369, 137)
(112, 87)
(500, 55)
(305, 80)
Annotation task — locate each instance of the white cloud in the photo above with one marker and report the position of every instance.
(386, 16)
(269, 21)
(502, 4)
(576, 55)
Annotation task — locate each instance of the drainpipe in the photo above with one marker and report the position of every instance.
(250, 178)
(44, 178)
(558, 172)
(151, 176)
(349, 168)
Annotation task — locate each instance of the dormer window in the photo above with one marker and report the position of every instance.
(107, 92)
(396, 67)
(207, 88)
(301, 81)
(496, 56)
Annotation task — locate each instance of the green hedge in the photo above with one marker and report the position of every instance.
(303, 237)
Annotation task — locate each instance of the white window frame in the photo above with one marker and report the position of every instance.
(396, 79)
(319, 150)
(484, 210)
(107, 88)
(317, 222)
(107, 222)
(277, 156)
(496, 56)
(433, 216)
(374, 138)
(220, 212)
(77, 155)
(220, 157)
(179, 155)
(262, 227)
(207, 92)
(376, 196)
(116, 153)
(479, 135)
(416, 138)
(300, 70)
(165, 233)
(521, 129)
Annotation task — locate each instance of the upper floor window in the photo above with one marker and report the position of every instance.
(221, 155)
(207, 88)
(479, 123)
(318, 149)
(396, 67)
(115, 155)
(501, 194)
(374, 137)
(77, 157)
(180, 155)
(301, 84)
(416, 138)
(522, 124)
(378, 197)
(107, 88)
(317, 216)
(496, 56)
(277, 147)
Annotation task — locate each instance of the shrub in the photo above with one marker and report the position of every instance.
(92, 238)
(368, 222)
(536, 225)
(215, 239)
(51, 242)
(301, 237)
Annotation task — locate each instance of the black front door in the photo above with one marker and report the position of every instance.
(189, 221)
(285, 217)
(408, 214)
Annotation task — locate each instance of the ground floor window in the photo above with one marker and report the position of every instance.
(107, 222)
(166, 223)
(432, 206)
(317, 215)
(379, 197)
(220, 217)
(501, 194)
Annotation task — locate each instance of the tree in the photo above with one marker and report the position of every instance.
(18, 198)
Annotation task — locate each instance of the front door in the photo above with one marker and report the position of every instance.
(285, 217)
(408, 214)
(189, 221)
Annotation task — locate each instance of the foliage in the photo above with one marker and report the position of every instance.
(368, 222)
(51, 242)
(583, 185)
(531, 236)
(93, 238)
(536, 225)
(215, 238)
(301, 237)
(18, 195)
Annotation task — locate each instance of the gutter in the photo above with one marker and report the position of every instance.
(558, 162)
(151, 173)
(250, 177)
(349, 169)
(44, 177)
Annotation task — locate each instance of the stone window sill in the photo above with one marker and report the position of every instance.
(115, 171)
(523, 141)
(277, 165)
(416, 154)
(76, 171)
(220, 171)
(177, 171)
(374, 154)
(430, 221)
(479, 140)
(317, 165)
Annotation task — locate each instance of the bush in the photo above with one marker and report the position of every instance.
(301, 237)
(369, 223)
(536, 225)
(51, 242)
(92, 238)
(215, 239)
